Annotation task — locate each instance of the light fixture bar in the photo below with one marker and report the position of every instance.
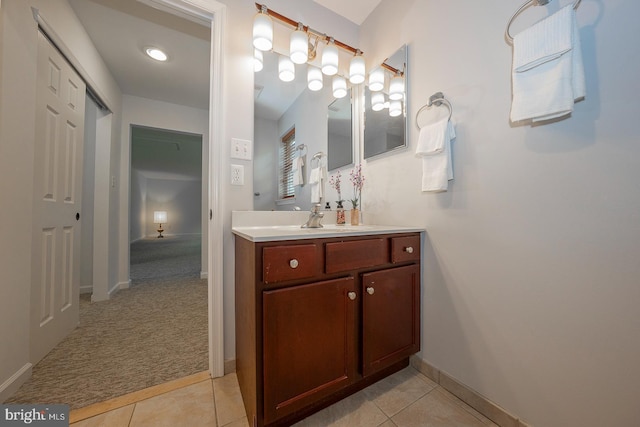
(294, 24)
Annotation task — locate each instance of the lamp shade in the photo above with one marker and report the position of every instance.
(395, 108)
(286, 69)
(376, 80)
(357, 70)
(330, 59)
(339, 86)
(299, 46)
(258, 60)
(262, 32)
(159, 217)
(377, 101)
(396, 88)
(314, 79)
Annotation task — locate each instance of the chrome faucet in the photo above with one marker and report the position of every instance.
(314, 217)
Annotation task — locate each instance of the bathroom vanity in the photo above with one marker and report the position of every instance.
(321, 314)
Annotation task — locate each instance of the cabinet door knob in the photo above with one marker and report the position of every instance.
(408, 250)
(351, 295)
(293, 263)
(370, 290)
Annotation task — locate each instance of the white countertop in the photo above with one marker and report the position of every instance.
(266, 233)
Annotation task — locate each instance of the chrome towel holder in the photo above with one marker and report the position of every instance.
(436, 99)
(528, 3)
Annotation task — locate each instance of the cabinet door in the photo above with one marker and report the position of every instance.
(390, 316)
(309, 334)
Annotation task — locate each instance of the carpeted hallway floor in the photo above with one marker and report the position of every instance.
(152, 333)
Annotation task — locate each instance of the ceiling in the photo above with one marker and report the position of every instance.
(354, 10)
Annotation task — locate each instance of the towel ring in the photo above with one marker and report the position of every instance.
(508, 35)
(436, 99)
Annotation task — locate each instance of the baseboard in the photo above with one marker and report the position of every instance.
(121, 285)
(204, 275)
(469, 396)
(229, 366)
(13, 383)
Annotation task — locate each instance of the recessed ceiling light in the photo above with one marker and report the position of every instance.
(156, 53)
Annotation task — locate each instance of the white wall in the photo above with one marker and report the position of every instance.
(265, 164)
(530, 291)
(180, 199)
(138, 206)
(162, 115)
(17, 112)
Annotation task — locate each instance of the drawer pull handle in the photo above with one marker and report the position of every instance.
(370, 290)
(408, 250)
(293, 263)
(352, 295)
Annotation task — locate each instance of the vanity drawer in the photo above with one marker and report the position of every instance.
(344, 256)
(280, 263)
(405, 249)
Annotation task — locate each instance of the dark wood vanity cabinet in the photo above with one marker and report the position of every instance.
(317, 320)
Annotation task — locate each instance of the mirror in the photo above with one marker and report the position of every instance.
(318, 118)
(340, 138)
(385, 119)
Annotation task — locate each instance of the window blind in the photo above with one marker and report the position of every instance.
(287, 150)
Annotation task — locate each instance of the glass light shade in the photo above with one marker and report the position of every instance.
(330, 59)
(339, 87)
(159, 217)
(357, 70)
(314, 79)
(286, 69)
(376, 80)
(299, 46)
(377, 101)
(396, 88)
(258, 60)
(262, 32)
(395, 108)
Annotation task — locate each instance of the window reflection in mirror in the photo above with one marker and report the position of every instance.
(383, 129)
(339, 144)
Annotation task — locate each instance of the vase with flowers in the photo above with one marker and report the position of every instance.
(334, 182)
(357, 180)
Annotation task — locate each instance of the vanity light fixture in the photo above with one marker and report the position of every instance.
(262, 30)
(396, 87)
(357, 69)
(395, 108)
(377, 101)
(258, 60)
(330, 58)
(339, 86)
(286, 69)
(314, 79)
(299, 45)
(376, 80)
(156, 54)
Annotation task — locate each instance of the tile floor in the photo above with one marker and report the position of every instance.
(405, 399)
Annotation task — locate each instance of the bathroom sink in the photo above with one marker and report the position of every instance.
(290, 232)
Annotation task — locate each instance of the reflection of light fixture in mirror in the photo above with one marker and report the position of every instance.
(156, 54)
(330, 58)
(395, 108)
(262, 30)
(377, 101)
(314, 79)
(258, 60)
(376, 80)
(357, 69)
(299, 45)
(160, 217)
(339, 87)
(396, 88)
(286, 69)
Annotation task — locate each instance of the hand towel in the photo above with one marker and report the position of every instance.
(314, 184)
(298, 176)
(431, 138)
(437, 168)
(547, 73)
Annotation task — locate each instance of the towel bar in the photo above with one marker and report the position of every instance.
(436, 99)
(528, 3)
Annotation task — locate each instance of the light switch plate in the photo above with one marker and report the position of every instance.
(241, 149)
(237, 175)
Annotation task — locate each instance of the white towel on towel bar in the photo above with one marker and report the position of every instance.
(298, 177)
(434, 147)
(317, 179)
(547, 72)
